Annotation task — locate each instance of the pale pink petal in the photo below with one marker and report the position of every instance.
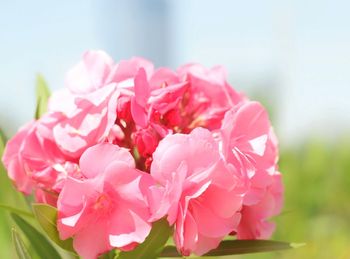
(163, 77)
(90, 74)
(128, 68)
(128, 228)
(105, 154)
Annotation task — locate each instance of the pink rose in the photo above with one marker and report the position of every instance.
(108, 209)
(192, 178)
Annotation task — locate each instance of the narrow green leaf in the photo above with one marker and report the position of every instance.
(47, 218)
(2, 142)
(153, 245)
(37, 240)
(20, 248)
(234, 247)
(16, 211)
(42, 96)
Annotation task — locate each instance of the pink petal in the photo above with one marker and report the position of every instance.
(92, 240)
(90, 74)
(105, 154)
(142, 90)
(129, 68)
(205, 244)
(127, 227)
(210, 224)
(138, 113)
(230, 202)
(186, 233)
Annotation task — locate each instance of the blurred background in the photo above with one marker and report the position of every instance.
(292, 55)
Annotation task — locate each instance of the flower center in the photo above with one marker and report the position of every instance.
(103, 203)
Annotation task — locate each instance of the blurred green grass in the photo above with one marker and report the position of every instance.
(316, 212)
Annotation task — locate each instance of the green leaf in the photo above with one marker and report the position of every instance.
(154, 243)
(20, 248)
(16, 211)
(38, 242)
(42, 96)
(47, 218)
(2, 142)
(234, 247)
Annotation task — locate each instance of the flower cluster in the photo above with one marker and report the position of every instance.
(124, 145)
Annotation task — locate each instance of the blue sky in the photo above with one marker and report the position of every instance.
(297, 52)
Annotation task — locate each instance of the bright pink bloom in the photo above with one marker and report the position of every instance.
(211, 153)
(108, 209)
(197, 191)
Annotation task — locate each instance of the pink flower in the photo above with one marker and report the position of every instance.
(248, 143)
(35, 161)
(108, 209)
(197, 191)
